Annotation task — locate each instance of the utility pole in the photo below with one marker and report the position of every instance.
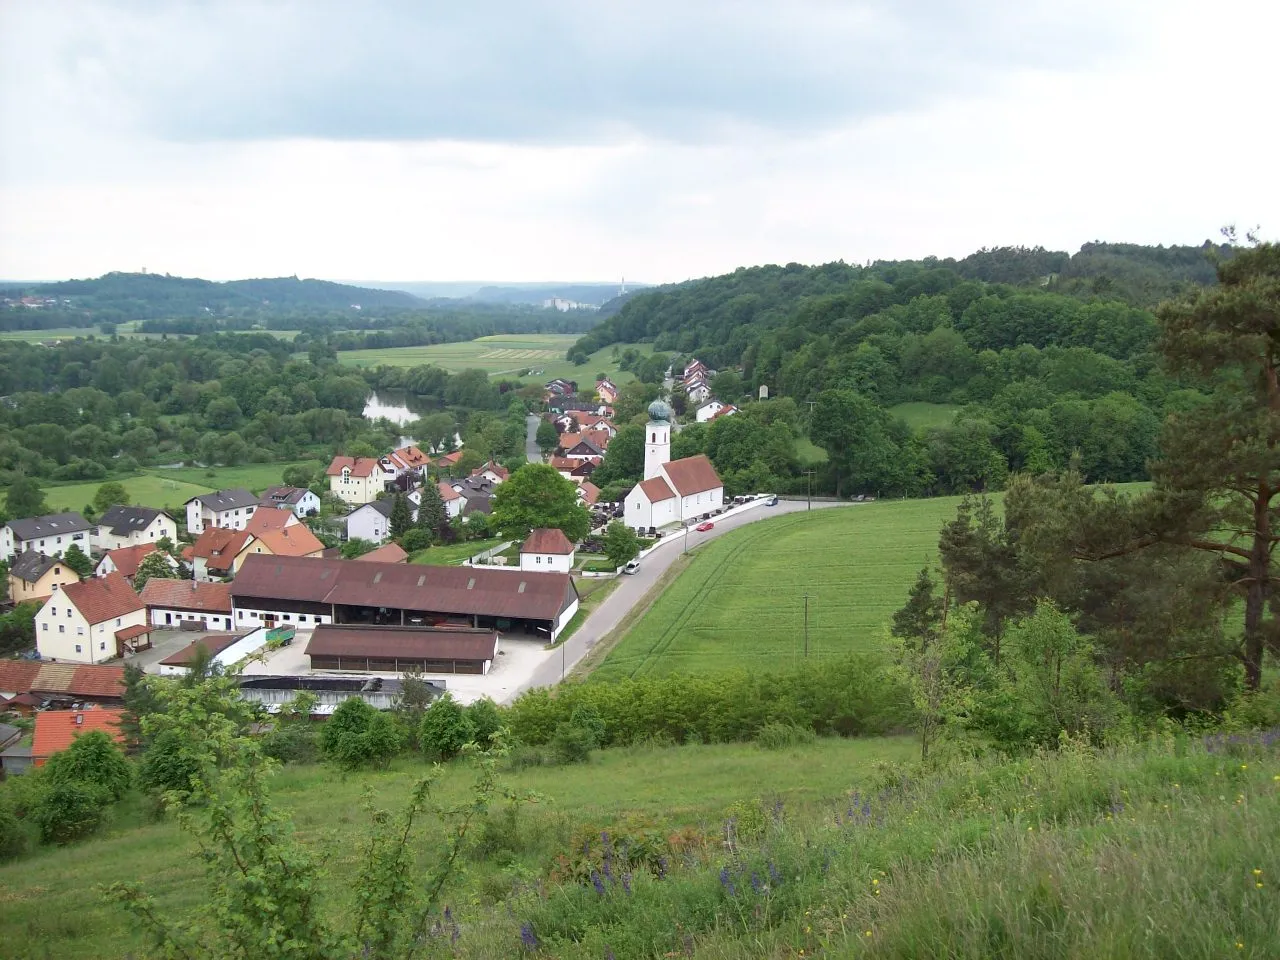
(562, 645)
(806, 625)
(686, 538)
(809, 475)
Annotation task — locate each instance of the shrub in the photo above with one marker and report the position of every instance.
(69, 810)
(94, 759)
(572, 744)
(167, 765)
(779, 736)
(415, 539)
(13, 837)
(358, 734)
(446, 728)
(291, 743)
(486, 721)
(523, 756)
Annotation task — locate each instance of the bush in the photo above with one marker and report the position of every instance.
(415, 539)
(13, 837)
(167, 765)
(446, 728)
(94, 759)
(524, 756)
(291, 743)
(779, 736)
(572, 744)
(486, 721)
(70, 810)
(358, 734)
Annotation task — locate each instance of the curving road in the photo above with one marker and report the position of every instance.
(633, 588)
(531, 451)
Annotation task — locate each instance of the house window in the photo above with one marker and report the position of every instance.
(78, 648)
(53, 611)
(44, 627)
(79, 631)
(102, 645)
(537, 559)
(62, 628)
(57, 571)
(117, 621)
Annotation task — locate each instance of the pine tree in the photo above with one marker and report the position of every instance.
(431, 513)
(401, 516)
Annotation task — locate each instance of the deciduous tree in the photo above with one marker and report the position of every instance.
(537, 496)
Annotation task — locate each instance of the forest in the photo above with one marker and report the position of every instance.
(1046, 355)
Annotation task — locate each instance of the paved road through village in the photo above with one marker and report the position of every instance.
(633, 588)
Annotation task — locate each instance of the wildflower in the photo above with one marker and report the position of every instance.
(527, 937)
(1258, 884)
(626, 884)
(597, 883)
(756, 885)
(1239, 945)
(868, 932)
(876, 882)
(1244, 766)
(774, 876)
(1257, 872)
(727, 882)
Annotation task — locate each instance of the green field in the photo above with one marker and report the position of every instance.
(809, 453)
(504, 354)
(921, 416)
(254, 476)
(51, 907)
(451, 553)
(146, 490)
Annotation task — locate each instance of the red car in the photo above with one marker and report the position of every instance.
(704, 527)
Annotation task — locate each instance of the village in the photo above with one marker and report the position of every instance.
(242, 582)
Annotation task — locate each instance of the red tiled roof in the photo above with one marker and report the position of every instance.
(187, 595)
(387, 553)
(449, 459)
(496, 469)
(264, 520)
(447, 492)
(656, 489)
(128, 633)
(80, 680)
(214, 644)
(590, 492)
(91, 681)
(102, 598)
(692, 475)
(56, 729)
(359, 466)
(126, 559)
(562, 463)
(220, 544)
(16, 675)
(546, 540)
(411, 456)
(294, 541)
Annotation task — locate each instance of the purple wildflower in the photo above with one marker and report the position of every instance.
(774, 876)
(756, 885)
(626, 884)
(597, 883)
(726, 881)
(527, 937)
(608, 873)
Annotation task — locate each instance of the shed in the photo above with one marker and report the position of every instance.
(431, 650)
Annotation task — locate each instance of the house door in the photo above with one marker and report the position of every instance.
(168, 619)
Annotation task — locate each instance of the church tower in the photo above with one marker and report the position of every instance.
(657, 439)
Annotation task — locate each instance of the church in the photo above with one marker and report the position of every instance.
(672, 491)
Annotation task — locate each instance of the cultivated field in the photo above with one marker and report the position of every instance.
(504, 354)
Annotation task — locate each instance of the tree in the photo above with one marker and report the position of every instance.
(25, 499)
(546, 437)
(855, 433)
(357, 734)
(75, 558)
(95, 759)
(69, 810)
(537, 496)
(432, 516)
(919, 627)
(401, 516)
(154, 566)
(357, 547)
(624, 460)
(445, 728)
(110, 494)
(621, 545)
(415, 539)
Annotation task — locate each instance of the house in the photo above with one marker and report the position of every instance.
(266, 520)
(446, 462)
(588, 443)
(593, 421)
(359, 480)
(125, 560)
(231, 509)
(563, 465)
(129, 526)
(213, 554)
(273, 590)
(698, 391)
(495, 473)
(708, 410)
(387, 553)
(372, 521)
(57, 729)
(672, 491)
(395, 649)
(546, 548)
(588, 493)
(92, 621)
(607, 390)
(51, 535)
(560, 387)
(33, 576)
(172, 603)
(696, 368)
(476, 494)
(409, 460)
(585, 468)
(179, 664)
(571, 405)
(295, 541)
(300, 500)
(727, 411)
(30, 684)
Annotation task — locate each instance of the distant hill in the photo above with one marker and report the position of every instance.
(591, 294)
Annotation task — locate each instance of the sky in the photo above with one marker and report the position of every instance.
(522, 140)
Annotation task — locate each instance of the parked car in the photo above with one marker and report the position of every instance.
(773, 502)
(633, 566)
(705, 526)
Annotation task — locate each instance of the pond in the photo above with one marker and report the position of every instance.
(399, 406)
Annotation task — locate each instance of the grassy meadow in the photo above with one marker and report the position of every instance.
(254, 476)
(451, 553)
(921, 416)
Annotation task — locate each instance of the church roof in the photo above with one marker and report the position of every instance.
(692, 475)
(656, 489)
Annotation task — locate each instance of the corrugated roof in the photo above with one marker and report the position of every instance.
(187, 595)
(126, 559)
(214, 644)
(103, 598)
(656, 489)
(692, 475)
(125, 520)
(56, 729)
(439, 589)
(387, 553)
(50, 525)
(411, 643)
(546, 540)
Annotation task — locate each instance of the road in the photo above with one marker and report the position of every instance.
(633, 588)
(531, 451)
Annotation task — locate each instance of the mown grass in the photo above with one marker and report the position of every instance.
(921, 416)
(50, 907)
(147, 490)
(253, 476)
(451, 553)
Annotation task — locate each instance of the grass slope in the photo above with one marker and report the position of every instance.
(254, 476)
(451, 553)
(920, 416)
(146, 490)
(50, 908)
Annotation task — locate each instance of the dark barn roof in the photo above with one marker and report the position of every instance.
(404, 643)
(458, 590)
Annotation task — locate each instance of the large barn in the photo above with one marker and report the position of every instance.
(304, 591)
(431, 650)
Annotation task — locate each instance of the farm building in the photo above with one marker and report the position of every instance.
(178, 664)
(172, 603)
(57, 729)
(546, 549)
(92, 621)
(273, 692)
(304, 591)
(430, 650)
(29, 684)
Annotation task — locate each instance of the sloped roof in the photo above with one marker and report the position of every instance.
(295, 541)
(447, 492)
(214, 644)
(16, 675)
(411, 456)
(219, 543)
(692, 475)
(562, 463)
(123, 521)
(274, 496)
(656, 489)
(228, 499)
(496, 469)
(50, 525)
(359, 466)
(449, 459)
(264, 520)
(387, 553)
(450, 590)
(187, 595)
(126, 559)
(56, 729)
(31, 565)
(383, 506)
(416, 643)
(103, 598)
(547, 540)
(590, 492)
(82, 680)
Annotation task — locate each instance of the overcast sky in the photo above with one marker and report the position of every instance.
(660, 140)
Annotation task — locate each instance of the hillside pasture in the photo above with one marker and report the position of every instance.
(922, 416)
(146, 490)
(253, 476)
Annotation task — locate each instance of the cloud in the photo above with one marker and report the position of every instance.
(569, 71)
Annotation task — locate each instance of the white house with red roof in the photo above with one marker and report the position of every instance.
(672, 491)
(546, 549)
(91, 621)
(359, 480)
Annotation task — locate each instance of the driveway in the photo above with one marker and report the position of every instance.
(633, 588)
(531, 451)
